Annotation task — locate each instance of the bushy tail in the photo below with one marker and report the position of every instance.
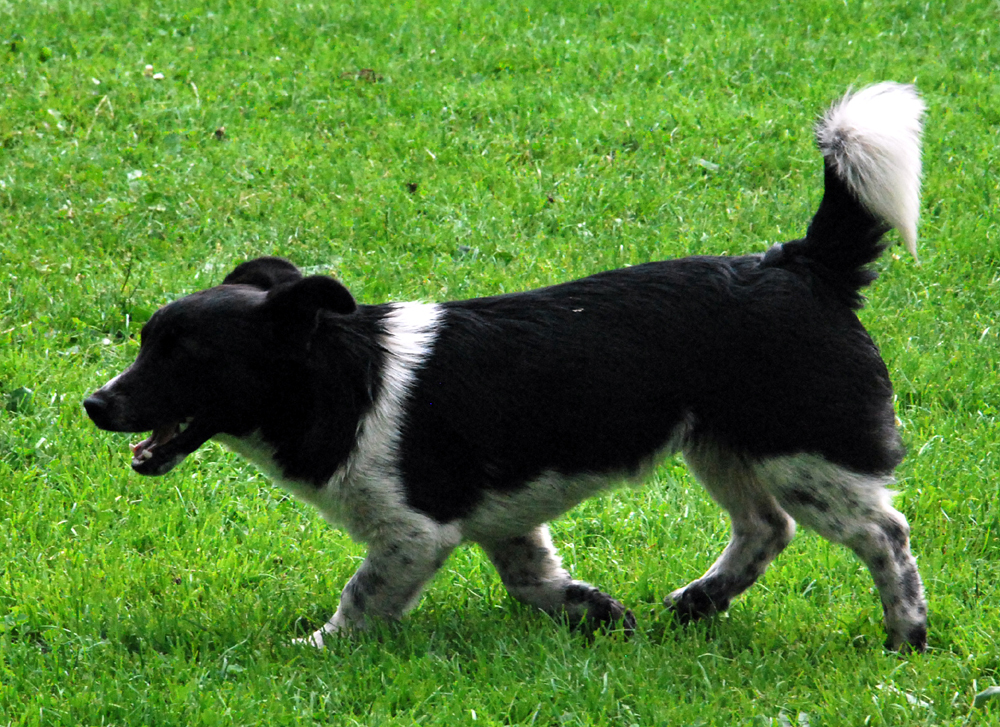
(870, 142)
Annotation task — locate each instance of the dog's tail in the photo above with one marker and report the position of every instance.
(870, 142)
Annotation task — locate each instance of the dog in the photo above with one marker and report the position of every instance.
(416, 426)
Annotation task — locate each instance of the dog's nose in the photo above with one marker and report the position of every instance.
(97, 409)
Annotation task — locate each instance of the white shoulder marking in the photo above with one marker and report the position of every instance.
(411, 329)
(366, 495)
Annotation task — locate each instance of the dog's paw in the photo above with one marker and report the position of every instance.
(628, 623)
(692, 603)
(314, 640)
(336, 626)
(914, 641)
(598, 610)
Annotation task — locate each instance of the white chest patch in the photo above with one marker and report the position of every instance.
(364, 496)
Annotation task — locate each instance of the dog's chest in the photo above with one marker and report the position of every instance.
(361, 501)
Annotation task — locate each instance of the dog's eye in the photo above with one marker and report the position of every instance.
(163, 340)
(190, 345)
(169, 344)
(177, 344)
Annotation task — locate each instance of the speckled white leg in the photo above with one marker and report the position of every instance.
(388, 582)
(760, 531)
(856, 510)
(532, 572)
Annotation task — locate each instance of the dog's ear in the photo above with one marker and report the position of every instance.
(304, 299)
(264, 273)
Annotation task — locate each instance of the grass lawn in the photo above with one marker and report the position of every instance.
(430, 151)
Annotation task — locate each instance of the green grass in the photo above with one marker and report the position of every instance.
(490, 147)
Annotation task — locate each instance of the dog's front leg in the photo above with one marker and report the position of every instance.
(389, 580)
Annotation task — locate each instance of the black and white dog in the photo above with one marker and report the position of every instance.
(416, 426)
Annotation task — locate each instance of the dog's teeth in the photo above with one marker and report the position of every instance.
(145, 455)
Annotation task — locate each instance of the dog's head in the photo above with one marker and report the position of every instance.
(210, 362)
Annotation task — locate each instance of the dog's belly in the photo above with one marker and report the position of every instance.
(504, 514)
(510, 514)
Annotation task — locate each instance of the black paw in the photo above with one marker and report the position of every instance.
(914, 642)
(601, 611)
(693, 603)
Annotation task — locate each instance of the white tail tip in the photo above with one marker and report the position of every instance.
(872, 140)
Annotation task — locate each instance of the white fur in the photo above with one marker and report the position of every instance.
(364, 495)
(872, 138)
(531, 569)
(850, 497)
(508, 514)
(760, 528)
(411, 329)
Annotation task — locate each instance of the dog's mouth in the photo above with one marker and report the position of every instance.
(168, 445)
(146, 449)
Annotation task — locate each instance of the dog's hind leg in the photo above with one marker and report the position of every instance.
(390, 579)
(856, 510)
(760, 530)
(532, 572)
